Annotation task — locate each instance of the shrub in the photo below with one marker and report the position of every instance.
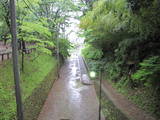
(148, 73)
(91, 52)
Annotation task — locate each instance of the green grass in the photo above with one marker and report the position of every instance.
(35, 70)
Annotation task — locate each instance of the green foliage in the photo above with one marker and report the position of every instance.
(38, 34)
(127, 32)
(91, 52)
(128, 52)
(38, 23)
(64, 46)
(146, 28)
(107, 24)
(37, 28)
(4, 20)
(148, 73)
(94, 65)
(113, 71)
(29, 81)
(113, 27)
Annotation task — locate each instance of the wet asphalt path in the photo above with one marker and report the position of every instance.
(69, 99)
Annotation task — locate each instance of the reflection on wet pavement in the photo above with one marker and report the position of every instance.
(69, 98)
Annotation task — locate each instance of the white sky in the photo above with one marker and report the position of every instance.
(74, 27)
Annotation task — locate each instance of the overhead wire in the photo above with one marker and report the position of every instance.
(32, 5)
(33, 11)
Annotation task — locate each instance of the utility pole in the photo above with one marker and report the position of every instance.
(15, 60)
(58, 57)
(100, 93)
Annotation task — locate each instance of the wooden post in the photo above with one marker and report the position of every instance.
(22, 64)
(15, 60)
(8, 55)
(2, 57)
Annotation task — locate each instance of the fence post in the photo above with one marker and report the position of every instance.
(2, 57)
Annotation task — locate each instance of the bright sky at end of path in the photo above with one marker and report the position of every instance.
(73, 29)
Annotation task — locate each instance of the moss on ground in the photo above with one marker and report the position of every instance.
(144, 98)
(33, 104)
(36, 69)
(109, 110)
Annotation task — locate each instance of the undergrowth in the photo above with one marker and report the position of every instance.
(145, 97)
(36, 67)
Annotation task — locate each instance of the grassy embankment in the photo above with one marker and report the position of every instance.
(38, 73)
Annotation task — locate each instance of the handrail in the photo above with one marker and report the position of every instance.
(85, 63)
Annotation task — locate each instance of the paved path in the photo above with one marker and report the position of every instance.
(69, 99)
(130, 110)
